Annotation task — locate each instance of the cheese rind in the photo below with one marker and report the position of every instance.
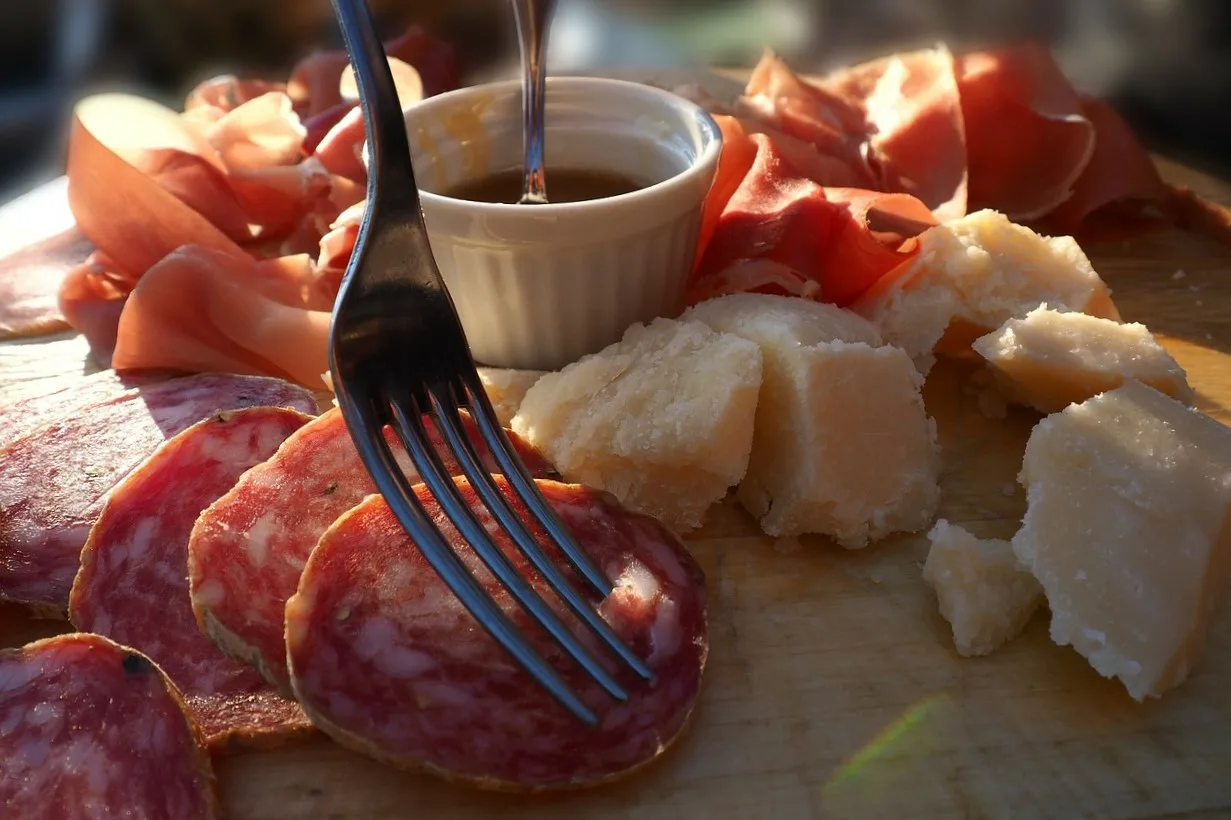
(1050, 359)
(1127, 529)
(843, 445)
(973, 274)
(506, 389)
(662, 419)
(983, 592)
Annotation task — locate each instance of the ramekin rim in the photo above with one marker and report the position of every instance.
(704, 164)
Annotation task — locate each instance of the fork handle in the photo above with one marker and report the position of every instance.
(389, 149)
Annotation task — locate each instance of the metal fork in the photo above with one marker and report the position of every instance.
(397, 353)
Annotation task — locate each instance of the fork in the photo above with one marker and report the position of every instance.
(397, 353)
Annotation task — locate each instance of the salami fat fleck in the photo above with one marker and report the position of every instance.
(89, 728)
(133, 586)
(248, 548)
(387, 661)
(54, 480)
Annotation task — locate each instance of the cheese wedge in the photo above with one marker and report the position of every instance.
(662, 419)
(843, 445)
(1127, 530)
(506, 389)
(972, 275)
(983, 592)
(1050, 359)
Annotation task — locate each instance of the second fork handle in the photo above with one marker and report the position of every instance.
(533, 25)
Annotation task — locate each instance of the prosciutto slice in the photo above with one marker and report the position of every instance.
(199, 310)
(1119, 176)
(1028, 139)
(221, 233)
(778, 231)
(1000, 129)
(207, 222)
(916, 135)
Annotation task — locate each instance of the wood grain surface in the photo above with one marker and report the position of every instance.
(833, 689)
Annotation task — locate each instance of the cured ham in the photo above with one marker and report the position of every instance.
(201, 310)
(314, 85)
(92, 297)
(251, 174)
(781, 232)
(1000, 129)
(1028, 140)
(823, 185)
(1120, 177)
(915, 129)
(222, 232)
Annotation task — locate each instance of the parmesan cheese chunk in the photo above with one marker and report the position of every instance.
(662, 419)
(506, 389)
(1127, 529)
(843, 445)
(983, 592)
(972, 275)
(1048, 359)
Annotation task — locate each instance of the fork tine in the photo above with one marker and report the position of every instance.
(396, 489)
(436, 476)
(451, 425)
(519, 477)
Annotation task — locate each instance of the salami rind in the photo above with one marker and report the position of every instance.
(54, 481)
(89, 728)
(387, 661)
(133, 587)
(248, 548)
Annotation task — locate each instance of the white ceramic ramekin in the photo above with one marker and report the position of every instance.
(539, 286)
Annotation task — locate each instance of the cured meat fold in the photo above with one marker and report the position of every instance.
(823, 185)
(222, 232)
(223, 205)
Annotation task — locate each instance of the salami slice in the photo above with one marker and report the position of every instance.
(386, 660)
(89, 728)
(30, 280)
(133, 585)
(54, 480)
(248, 548)
(24, 416)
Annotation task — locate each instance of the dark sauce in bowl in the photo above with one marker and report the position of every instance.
(563, 185)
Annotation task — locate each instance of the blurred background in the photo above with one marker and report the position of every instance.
(1166, 64)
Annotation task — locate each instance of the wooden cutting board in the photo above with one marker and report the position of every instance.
(833, 689)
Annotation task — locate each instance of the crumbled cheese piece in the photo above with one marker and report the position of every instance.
(506, 389)
(973, 274)
(1050, 359)
(984, 594)
(662, 419)
(1127, 529)
(843, 445)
